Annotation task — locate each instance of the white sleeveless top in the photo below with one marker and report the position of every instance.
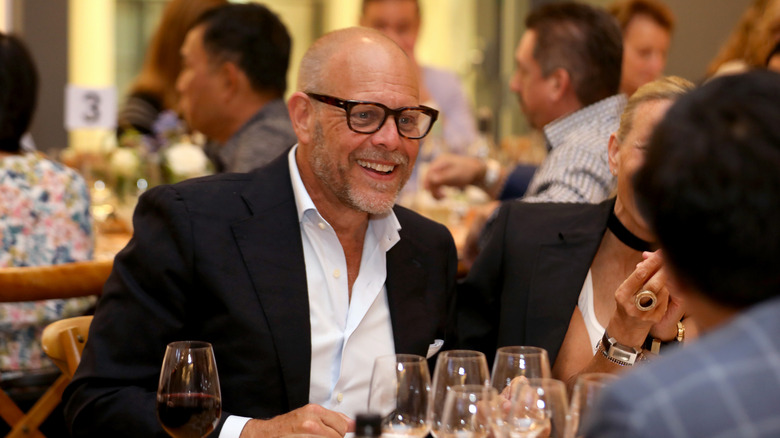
(586, 306)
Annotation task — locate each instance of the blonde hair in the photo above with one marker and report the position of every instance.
(162, 62)
(663, 88)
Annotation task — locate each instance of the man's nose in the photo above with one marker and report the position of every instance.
(388, 135)
(658, 62)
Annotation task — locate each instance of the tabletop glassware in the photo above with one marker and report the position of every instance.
(189, 402)
(399, 392)
(512, 362)
(454, 367)
(583, 398)
(468, 412)
(539, 408)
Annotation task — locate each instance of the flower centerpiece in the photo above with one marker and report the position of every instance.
(167, 155)
(184, 160)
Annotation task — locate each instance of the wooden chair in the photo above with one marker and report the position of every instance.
(64, 340)
(69, 280)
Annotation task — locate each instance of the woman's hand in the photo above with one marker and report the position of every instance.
(629, 325)
(666, 329)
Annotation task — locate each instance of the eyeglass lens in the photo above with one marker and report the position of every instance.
(367, 118)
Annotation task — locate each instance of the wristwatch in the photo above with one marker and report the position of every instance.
(492, 172)
(618, 353)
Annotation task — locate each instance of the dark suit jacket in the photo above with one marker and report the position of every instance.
(220, 259)
(525, 283)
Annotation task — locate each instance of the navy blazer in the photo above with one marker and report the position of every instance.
(220, 259)
(526, 282)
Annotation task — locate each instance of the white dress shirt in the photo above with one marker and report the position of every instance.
(346, 335)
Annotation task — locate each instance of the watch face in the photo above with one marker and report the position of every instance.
(622, 355)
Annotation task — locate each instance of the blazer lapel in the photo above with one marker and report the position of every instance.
(405, 296)
(270, 242)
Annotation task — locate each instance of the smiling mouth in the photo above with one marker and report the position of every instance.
(383, 169)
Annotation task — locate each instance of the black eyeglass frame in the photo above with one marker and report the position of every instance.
(347, 106)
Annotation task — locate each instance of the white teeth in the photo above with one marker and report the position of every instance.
(376, 166)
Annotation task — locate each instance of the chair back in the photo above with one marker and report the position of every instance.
(67, 280)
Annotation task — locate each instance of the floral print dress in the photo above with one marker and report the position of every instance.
(44, 220)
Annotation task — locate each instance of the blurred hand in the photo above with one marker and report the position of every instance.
(477, 218)
(453, 170)
(629, 325)
(309, 419)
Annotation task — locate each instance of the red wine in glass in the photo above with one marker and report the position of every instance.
(188, 397)
(188, 415)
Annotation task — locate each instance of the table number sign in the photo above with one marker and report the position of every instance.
(90, 107)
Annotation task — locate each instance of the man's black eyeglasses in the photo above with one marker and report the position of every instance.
(368, 117)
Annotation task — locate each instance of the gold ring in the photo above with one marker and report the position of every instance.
(680, 331)
(645, 300)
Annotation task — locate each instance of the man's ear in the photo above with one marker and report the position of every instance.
(560, 83)
(301, 114)
(613, 148)
(232, 80)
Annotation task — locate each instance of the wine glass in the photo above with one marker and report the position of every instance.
(454, 367)
(539, 408)
(189, 403)
(468, 411)
(399, 392)
(583, 398)
(512, 362)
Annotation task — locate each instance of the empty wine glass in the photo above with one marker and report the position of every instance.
(539, 408)
(454, 367)
(583, 398)
(512, 362)
(189, 402)
(399, 392)
(468, 411)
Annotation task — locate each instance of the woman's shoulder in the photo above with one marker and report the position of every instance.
(40, 170)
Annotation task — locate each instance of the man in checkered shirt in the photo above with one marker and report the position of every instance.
(567, 79)
(710, 188)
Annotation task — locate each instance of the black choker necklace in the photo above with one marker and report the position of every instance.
(625, 236)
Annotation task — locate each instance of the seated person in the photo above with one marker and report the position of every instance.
(711, 191)
(232, 84)
(647, 29)
(565, 277)
(567, 80)
(44, 220)
(154, 89)
(299, 273)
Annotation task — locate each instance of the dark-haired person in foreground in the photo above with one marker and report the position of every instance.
(233, 77)
(710, 188)
(299, 273)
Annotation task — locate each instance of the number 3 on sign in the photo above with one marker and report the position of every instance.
(88, 107)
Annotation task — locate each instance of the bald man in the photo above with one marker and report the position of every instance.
(299, 274)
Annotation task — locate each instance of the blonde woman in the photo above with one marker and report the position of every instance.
(566, 277)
